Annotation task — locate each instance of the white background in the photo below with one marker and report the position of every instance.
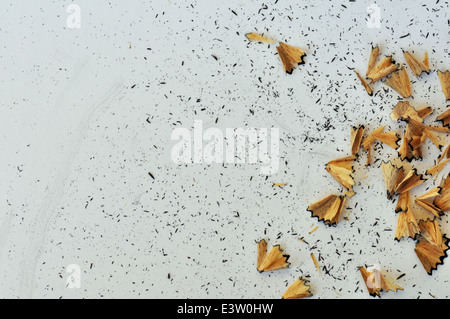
(78, 141)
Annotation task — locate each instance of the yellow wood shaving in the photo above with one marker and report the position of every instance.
(316, 263)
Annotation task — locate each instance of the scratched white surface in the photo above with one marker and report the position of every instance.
(87, 113)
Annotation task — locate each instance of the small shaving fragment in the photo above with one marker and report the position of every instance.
(259, 37)
(290, 56)
(328, 209)
(444, 118)
(437, 168)
(372, 59)
(403, 111)
(416, 132)
(403, 202)
(356, 138)
(424, 112)
(427, 133)
(315, 263)
(350, 193)
(262, 252)
(366, 85)
(426, 61)
(368, 142)
(385, 67)
(397, 180)
(432, 246)
(443, 201)
(407, 226)
(389, 138)
(406, 151)
(444, 77)
(279, 184)
(392, 177)
(411, 180)
(427, 201)
(342, 170)
(430, 231)
(445, 154)
(440, 129)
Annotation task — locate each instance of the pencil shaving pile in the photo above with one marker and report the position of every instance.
(418, 217)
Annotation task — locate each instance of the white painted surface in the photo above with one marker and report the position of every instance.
(76, 147)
